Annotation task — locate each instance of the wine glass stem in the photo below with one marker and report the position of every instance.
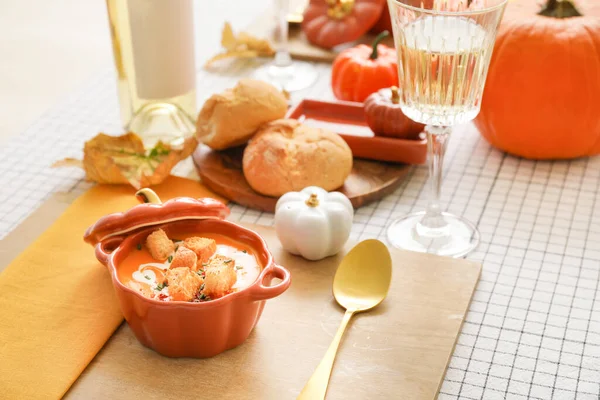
(282, 55)
(437, 141)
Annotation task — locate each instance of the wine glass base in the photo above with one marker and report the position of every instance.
(291, 78)
(458, 238)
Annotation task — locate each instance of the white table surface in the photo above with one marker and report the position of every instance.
(533, 329)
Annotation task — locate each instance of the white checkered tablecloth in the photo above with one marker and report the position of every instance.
(533, 329)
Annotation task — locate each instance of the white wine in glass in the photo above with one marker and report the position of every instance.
(444, 51)
(443, 73)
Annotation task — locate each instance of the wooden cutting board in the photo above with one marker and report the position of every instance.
(399, 350)
(221, 171)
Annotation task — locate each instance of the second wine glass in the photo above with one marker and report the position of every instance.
(282, 72)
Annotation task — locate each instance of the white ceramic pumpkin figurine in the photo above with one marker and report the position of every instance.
(313, 223)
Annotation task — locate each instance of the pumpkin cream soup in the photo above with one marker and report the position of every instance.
(191, 267)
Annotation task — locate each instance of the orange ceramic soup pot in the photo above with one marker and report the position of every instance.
(183, 329)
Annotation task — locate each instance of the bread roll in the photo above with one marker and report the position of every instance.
(285, 156)
(230, 118)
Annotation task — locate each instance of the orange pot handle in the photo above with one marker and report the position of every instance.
(105, 248)
(262, 292)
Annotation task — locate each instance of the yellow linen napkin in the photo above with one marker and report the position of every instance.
(57, 304)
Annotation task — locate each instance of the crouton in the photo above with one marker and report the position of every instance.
(183, 283)
(219, 276)
(203, 247)
(184, 257)
(159, 245)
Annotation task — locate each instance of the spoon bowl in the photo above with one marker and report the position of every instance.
(363, 278)
(361, 282)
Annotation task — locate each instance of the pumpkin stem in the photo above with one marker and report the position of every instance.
(339, 9)
(146, 195)
(395, 95)
(378, 39)
(312, 201)
(560, 9)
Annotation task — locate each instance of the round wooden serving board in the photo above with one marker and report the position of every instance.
(222, 172)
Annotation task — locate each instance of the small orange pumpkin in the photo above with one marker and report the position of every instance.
(385, 117)
(328, 23)
(359, 71)
(542, 95)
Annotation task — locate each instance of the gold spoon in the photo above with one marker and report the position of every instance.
(361, 282)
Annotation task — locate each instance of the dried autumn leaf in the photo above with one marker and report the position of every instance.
(261, 45)
(228, 40)
(123, 159)
(243, 45)
(68, 162)
(235, 54)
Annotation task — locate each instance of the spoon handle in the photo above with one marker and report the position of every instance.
(316, 387)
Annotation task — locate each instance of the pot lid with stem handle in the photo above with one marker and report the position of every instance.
(153, 212)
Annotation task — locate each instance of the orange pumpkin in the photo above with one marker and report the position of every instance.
(328, 23)
(359, 71)
(542, 95)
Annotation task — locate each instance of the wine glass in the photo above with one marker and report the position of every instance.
(282, 72)
(444, 49)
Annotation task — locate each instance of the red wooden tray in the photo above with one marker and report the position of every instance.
(348, 120)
